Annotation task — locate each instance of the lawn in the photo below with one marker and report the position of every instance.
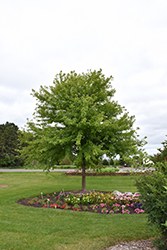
(25, 227)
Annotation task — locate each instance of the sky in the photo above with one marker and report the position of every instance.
(126, 39)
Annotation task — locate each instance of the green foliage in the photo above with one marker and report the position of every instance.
(116, 162)
(162, 155)
(76, 116)
(9, 145)
(112, 162)
(66, 161)
(105, 162)
(154, 193)
(64, 167)
(110, 169)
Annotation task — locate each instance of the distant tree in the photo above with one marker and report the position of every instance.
(66, 161)
(9, 145)
(161, 156)
(76, 116)
(105, 162)
(111, 162)
(116, 162)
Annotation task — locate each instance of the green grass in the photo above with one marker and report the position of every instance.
(32, 228)
(40, 167)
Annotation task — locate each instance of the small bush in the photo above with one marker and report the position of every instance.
(64, 166)
(154, 194)
(116, 162)
(108, 170)
(105, 162)
(111, 162)
(66, 161)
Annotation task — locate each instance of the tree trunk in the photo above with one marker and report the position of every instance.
(83, 174)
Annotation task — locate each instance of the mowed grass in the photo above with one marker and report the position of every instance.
(23, 227)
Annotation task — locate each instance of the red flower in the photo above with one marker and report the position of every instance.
(65, 206)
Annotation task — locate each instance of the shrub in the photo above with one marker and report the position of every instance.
(161, 156)
(64, 166)
(105, 162)
(116, 162)
(111, 162)
(66, 161)
(154, 194)
(110, 169)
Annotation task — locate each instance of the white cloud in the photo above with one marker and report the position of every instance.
(127, 39)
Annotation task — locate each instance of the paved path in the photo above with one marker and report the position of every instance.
(139, 169)
(65, 170)
(33, 170)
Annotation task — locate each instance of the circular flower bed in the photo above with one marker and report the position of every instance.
(90, 201)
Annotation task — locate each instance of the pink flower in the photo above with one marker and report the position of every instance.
(111, 211)
(137, 195)
(137, 210)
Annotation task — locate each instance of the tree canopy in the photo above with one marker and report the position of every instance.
(78, 116)
(9, 145)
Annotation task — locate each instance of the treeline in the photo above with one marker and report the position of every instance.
(9, 146)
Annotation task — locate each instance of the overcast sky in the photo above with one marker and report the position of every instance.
(126, 38)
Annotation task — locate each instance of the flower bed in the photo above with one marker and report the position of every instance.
(90, 173)
(96, 202)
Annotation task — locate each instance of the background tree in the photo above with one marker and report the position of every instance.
(77, 117)
(111, 162)
(9, 145)
(161, 156)
(105, 162)
(66, 161)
